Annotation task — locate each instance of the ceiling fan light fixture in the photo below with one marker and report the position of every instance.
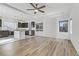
(36, 10)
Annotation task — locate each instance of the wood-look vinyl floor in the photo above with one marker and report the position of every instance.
(38, 46)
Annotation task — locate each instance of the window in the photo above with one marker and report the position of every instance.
(63, 26)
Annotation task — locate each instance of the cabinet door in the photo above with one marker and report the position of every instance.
(32, 24)
(32, 32)
(19, 25)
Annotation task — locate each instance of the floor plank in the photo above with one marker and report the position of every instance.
(38, 46)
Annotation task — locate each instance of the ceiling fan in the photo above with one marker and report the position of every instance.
(36, 8)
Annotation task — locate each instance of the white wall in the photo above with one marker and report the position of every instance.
(49, 27)
(75, 26)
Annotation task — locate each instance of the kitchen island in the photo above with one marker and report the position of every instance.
(19, 34)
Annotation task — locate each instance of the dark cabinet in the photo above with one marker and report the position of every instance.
(4, 33)
(32, 24)
(0, 23)
(22, 25)
(32, 32)
(26, 32)
(19, 25)
(11, 32)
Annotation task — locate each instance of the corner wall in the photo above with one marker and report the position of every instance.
(75, 26)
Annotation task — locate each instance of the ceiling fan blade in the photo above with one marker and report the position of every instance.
(32, 5)
(42, 7)
(41, 11)
(36, 5)
(30, 9)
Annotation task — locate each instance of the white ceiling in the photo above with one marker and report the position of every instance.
(51, 8)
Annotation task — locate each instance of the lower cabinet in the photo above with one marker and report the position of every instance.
(32, 32)
(4, 33)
